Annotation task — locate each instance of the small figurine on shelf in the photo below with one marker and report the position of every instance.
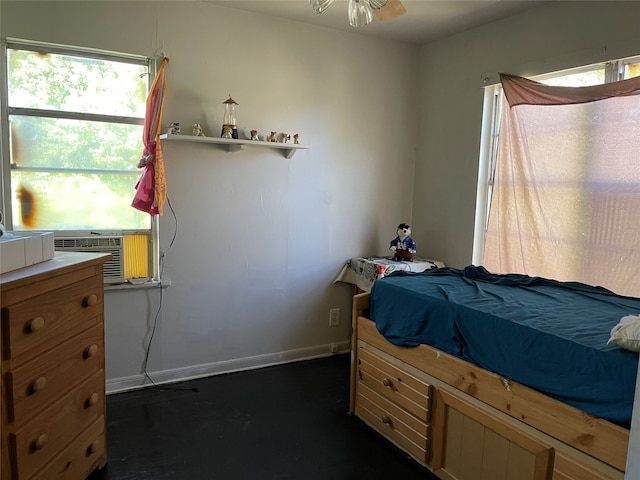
(197, 130)
(227, 132)
(174, 129)
(272, 137)
(403, 246)
(254, 135)
(296, 139)
(286, 137)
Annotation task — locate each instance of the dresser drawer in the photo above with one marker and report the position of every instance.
(39, 383)
(35, 444)
(393, 422)
(32, 325)
(80, 458)
(403, 389)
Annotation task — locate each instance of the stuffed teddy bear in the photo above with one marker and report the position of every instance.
(403, 246)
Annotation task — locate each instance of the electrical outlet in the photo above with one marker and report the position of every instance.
(334, 317)
(333, 347)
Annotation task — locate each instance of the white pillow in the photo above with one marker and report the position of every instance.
(626, 333)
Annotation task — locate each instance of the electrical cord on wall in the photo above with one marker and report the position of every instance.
(155, 319)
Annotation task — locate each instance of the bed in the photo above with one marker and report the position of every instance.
(479, 376)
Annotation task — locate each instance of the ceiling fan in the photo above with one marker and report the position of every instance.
(361, 12)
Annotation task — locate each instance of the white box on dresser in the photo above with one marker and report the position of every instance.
(53, 381)
(22, 249)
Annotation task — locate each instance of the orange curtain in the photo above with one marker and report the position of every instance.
(151, 189)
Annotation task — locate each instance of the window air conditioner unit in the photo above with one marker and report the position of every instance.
(114, 268)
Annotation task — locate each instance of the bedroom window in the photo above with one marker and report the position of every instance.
(586, 232)
(72, 123)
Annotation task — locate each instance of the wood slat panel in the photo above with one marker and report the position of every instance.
(460, 448)
(520, 463)
(472, 448)
(495, 457)
(454, 438)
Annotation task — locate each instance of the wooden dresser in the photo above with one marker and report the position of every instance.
(53, 378)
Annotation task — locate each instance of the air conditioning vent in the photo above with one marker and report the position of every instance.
(114, 268)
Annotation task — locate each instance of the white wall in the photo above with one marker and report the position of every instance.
(549, 37)
(260, 238)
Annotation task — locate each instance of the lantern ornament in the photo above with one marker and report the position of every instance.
(229, 121)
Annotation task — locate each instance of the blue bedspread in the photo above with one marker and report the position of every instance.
(549, 335)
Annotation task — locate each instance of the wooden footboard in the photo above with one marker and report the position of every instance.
(466, 423)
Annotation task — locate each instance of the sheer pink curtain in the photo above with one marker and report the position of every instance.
(566, 194)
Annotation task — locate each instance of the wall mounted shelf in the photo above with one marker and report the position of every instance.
(233, 145)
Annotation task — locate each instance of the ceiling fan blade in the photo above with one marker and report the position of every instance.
(392, 9)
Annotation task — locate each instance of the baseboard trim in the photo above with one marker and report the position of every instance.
(136, 382)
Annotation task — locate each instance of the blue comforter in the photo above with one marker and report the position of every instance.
(549, 335)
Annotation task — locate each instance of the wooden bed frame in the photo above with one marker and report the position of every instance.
(465, 423)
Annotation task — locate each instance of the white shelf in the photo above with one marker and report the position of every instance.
(233, 145)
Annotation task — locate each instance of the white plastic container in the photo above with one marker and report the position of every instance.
(21, 249)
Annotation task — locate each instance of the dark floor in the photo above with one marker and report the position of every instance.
(283, 422)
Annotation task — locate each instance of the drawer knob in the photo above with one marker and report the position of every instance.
(90, 351)
(386, 420)
(93, 399)
(35, 324)
(386, 382)
(40, 442)
(90, 300)
(38, 384)
(94, 447)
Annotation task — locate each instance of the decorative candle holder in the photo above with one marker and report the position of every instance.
(229, 119)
